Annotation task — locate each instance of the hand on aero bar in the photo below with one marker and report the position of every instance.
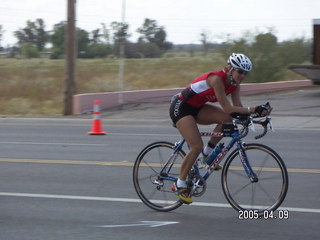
(263, 110)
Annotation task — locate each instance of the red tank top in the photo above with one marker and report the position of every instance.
(199, 92)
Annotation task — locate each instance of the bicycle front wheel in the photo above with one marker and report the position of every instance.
(267, 191)
(152, 182)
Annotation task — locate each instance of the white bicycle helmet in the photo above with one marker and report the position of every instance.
(240, 61)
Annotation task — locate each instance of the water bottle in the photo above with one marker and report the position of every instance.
(214, 153)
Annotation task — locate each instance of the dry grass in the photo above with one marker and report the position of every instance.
(36, 86)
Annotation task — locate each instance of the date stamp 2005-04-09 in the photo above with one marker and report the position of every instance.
(254, 214)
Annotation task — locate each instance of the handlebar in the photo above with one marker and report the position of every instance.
(248, 121)
(264, 123)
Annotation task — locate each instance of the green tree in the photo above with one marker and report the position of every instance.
(97, 47)
(105, 34)
(95, 36)
(265, 44)
(98, 50)
(121, 31)
(204, 39)
(296, 51)
(152, 33)
(29, 51)
(142, 50)
(265, 56)
(34, 33)
(58, 41)
(120, 35)
(83, 43)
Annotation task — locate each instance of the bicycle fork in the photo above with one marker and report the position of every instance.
(246, 164)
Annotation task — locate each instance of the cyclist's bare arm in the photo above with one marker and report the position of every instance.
(235, 96)
(215, 82)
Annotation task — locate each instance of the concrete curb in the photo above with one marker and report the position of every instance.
(83, 103)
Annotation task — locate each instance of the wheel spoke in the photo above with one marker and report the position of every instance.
(239, 173)
(235, 193)
(267, 194)
(151, 167)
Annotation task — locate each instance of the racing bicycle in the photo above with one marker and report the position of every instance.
(253, 177)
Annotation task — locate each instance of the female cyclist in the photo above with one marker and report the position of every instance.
(190, 107)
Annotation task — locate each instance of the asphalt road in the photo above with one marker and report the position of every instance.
(57, 182)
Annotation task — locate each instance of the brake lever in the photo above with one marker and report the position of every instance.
(251, 125)
(270, 125)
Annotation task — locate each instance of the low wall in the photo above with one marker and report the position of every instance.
(83, 103)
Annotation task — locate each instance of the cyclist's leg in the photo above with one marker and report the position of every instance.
(183, 115)
(210, 114)
(188, 129)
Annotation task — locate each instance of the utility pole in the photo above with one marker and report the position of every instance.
(70, 53)
(316, 41)
(122, 56)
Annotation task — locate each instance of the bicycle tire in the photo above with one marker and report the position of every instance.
(156, 194)
(268, 192)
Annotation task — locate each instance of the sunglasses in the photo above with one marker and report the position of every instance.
(242, 72)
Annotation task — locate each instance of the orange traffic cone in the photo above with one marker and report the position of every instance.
(96, 121)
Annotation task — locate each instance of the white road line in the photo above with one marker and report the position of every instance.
(142, 223)
(146, 134)
(72, 197)
(63, 144)
(133, 200)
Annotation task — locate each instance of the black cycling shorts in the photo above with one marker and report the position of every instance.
(180, 109)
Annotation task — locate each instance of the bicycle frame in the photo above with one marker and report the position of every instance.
(234, 139)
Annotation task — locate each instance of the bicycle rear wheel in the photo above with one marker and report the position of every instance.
(153, 186)
(265, 194)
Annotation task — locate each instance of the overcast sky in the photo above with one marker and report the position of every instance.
(183, 20)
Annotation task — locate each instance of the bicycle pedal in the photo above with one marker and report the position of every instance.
(174, 188)
(200, 163)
